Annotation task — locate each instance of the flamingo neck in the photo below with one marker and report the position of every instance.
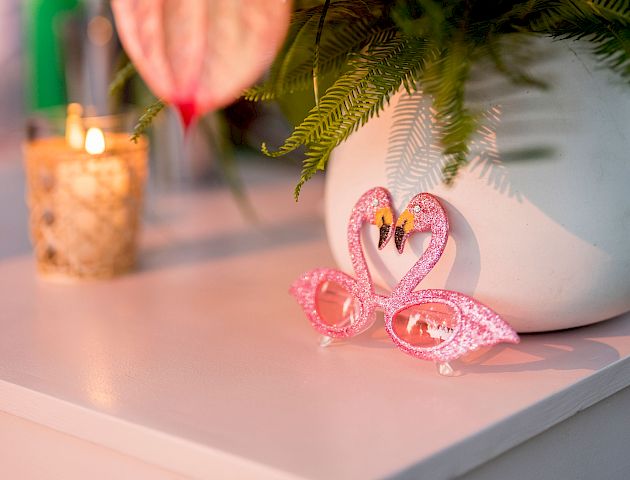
(428, 259)
(355, 247)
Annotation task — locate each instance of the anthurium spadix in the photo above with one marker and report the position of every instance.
(199, 55)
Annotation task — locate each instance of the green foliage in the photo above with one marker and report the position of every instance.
(121, 78)
(374, 48)
(146, 119)
(357, 95)
(604, 23)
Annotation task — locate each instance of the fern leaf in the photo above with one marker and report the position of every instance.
(335, 101)
(146, 119)
(370, 57)
(602, 23)
(121, 78)
(612, 9)
(355, 98)
(318, 39)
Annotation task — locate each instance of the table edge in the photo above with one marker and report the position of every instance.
(472, 452)
(185, 457)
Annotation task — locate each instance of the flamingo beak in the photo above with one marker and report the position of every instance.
(399, 238)
(404, 225)
(384, 234)
(383, 220)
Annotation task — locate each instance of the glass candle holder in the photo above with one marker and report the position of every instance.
(85, 195)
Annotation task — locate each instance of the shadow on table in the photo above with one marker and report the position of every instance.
(571, 349)
(225, 244)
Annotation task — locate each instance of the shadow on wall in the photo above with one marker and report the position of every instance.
(572, 133)
(466, 267)
(414, 157)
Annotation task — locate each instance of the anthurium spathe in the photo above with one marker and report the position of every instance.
(199, 55)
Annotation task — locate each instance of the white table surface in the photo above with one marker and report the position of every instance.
(201, 364)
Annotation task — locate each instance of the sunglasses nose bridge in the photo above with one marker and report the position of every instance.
(380, 300)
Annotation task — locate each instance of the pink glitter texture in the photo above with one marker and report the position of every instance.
(437, 325)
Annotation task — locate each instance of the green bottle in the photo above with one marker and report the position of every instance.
(43, 24)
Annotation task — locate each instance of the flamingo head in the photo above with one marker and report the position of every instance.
(377, 210)
(423, 214)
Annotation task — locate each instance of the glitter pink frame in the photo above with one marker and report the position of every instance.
(476, 325)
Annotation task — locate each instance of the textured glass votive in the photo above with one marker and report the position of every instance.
(85, 207)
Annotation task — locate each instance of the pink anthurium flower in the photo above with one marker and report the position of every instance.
(199, 55)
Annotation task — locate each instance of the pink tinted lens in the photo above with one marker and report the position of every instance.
(336, 306)
(426, 324)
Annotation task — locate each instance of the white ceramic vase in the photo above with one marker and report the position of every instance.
(545, 242)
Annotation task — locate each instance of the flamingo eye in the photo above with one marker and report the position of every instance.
(375, 201)
(417, 209)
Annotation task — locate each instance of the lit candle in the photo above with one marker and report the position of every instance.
(85, 195)
(94, 141)
(86, 174)
(74, 126)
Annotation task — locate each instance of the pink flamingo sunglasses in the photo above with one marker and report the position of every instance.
(437, 325)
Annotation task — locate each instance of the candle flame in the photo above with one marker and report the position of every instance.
(94, 141)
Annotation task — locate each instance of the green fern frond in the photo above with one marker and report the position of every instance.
(362, 104)
(121, 78)
(358, 95)
(520, 14)
(614, 53)
(337, 99)
(603, 23)
(146, 119)
(318, 40)
(612, 9)
(369, 56)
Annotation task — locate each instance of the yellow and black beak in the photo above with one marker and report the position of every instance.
(383, 219)
(404, 226)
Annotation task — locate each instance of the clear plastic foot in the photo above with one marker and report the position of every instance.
(324, 341)
(445, 369)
